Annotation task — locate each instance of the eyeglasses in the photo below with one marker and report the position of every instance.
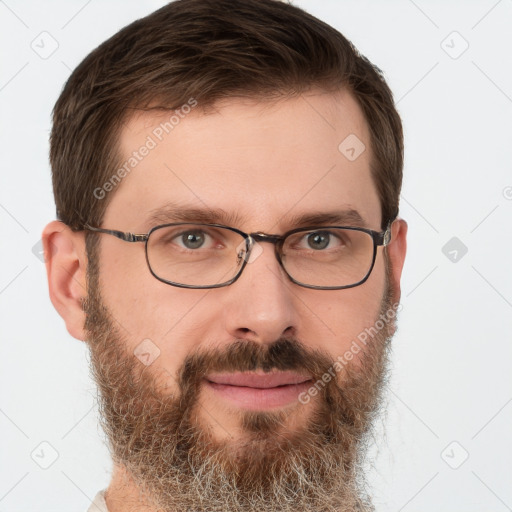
(193, 255)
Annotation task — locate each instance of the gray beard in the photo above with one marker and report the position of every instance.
(177, 464)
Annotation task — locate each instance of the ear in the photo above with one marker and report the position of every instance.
(396, 254)
(66, 267)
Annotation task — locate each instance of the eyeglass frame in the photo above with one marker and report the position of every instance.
(380, 238)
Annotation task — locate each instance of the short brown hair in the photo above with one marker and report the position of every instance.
(208, 50)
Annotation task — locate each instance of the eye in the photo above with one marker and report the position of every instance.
(193, 240)
(320, 240)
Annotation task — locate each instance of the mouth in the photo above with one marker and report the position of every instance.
(258, 390)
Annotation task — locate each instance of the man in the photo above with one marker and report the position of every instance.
(227, 176)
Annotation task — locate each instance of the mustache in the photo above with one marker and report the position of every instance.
(247, 355)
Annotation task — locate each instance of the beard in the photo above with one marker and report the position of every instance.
(162, 441)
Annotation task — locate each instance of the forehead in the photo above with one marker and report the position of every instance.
(261, 164)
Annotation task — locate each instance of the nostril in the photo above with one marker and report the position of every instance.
(289, 331)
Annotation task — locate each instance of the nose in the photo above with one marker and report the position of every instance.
(262, 304)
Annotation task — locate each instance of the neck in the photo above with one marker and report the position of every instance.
(123, 495)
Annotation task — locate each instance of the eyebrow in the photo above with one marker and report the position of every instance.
(173, 212)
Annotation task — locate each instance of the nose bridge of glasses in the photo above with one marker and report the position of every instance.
(252, 241)
(264, 237)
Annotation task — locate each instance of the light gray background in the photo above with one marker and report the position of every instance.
(451, 393)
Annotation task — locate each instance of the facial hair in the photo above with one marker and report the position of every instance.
(178, 465)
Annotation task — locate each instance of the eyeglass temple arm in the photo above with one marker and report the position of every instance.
(127, 237)
(380, 238)
(384, 238)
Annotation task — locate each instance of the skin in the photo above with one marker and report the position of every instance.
(264, 162)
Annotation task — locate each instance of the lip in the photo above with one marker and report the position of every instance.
(258, 390)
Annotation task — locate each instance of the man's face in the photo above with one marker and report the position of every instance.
(262, 165)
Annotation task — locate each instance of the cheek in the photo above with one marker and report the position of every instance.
(125, 284)
(146, 309)
(344, 314)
